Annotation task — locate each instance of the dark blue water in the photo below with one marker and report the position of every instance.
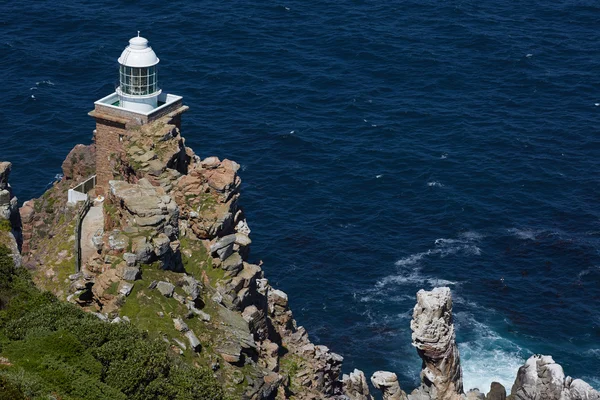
(385, 147)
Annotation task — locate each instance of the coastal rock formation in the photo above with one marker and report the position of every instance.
(433, 336)
(387, 382)
(8, 202)
(355, 386)
(542, 378)
(10, 222)
(80, 164)
(497, 392)
(172, 257)
(174, 245)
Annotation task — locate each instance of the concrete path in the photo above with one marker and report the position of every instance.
(93, 221)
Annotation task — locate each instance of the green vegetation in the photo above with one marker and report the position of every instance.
(5, 225)
(50, 349)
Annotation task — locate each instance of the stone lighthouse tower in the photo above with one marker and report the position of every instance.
(137, 101)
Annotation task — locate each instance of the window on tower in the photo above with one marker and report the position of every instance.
(138, 81)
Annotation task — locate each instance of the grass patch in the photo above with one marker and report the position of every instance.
(5, 225)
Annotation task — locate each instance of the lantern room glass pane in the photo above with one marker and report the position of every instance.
(138, 81)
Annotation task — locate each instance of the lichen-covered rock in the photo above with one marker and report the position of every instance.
(542, 378)
(433, 336)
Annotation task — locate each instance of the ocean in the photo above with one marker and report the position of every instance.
(385, 147)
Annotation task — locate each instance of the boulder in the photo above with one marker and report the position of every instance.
(497, 392)
(130, 259)
(387, 382)
(233, 264)
(192, 287)
(131, 273)
(161, 244)
(223, 247)
(474, 394)
(194, 342)
(180, 326)
(165, 288)
(143, 250)
(201, 314)
(126, 288)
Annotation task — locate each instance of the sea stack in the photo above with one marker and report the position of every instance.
(433, 336)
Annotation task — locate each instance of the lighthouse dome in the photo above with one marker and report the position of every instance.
(138, 54)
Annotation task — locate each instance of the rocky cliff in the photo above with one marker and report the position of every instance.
(166, 248)
(10, 223)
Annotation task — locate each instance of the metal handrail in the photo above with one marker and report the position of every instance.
(83, 210)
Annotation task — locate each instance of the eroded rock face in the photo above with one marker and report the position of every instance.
(80, 164)
(387, 382)
(8, 202)
(433, 336)
(355, 386)
(542, 378)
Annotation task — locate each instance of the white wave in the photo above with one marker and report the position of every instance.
(413, 277)
(446, 247)
(488, 357)
(45, 83)
(413, 258)
(444, 156)
(588, 271)
(434, 184)
(378, 176)
(594, 352)
(525, 234)
(441, 282)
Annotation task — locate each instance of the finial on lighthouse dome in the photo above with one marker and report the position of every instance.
(138, 79)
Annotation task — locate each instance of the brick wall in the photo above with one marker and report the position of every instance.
(108, 151)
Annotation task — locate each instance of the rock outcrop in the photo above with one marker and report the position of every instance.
(10, 221)
(542, 378)
(8, 202)
(356, 386)
(387, 382)
(80, 164)
(433, 336)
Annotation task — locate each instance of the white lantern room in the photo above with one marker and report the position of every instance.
(138, 81)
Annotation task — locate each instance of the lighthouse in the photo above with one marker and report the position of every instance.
(138, 84)
(138, 100)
